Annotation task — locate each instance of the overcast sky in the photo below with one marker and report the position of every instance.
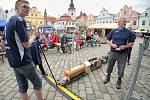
(58, 7)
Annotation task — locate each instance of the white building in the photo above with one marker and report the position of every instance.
(143, 21)
(65, 22)
(105, 17)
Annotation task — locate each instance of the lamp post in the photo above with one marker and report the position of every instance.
(6, 12)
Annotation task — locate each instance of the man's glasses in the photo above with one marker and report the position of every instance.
(24, 6)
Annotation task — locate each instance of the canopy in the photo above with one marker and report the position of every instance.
(46, 26)
(106, 25)
(2, 24)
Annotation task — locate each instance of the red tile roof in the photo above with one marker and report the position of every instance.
(65, 17)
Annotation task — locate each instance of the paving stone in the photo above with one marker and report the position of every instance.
(6, 91)
(89, 91)
(110, 90)
(81, 87)
(98, 95)
(88, 84)
(82, 94)
(90, 97)
(9, 96)
(115, 97)
(107, 97)
(50, 96)
(58, 98)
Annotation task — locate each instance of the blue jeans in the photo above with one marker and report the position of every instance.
(23, 74)
(121, 59)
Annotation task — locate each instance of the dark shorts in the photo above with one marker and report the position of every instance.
(25, 73)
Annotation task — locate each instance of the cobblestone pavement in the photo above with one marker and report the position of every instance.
(89, 87)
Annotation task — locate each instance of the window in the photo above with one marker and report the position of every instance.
(31, 14)
(143, 23)
(134, 23)
(125, 12)
(146, 14)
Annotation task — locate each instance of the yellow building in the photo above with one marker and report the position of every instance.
(35, 18)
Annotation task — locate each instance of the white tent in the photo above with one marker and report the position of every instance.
(106, 25)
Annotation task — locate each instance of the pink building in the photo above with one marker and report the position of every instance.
(129, 14)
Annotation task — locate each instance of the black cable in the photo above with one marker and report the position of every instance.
(47, 62)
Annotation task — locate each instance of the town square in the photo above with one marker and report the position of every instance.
(73, 54)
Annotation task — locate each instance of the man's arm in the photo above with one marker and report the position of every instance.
(28, 43)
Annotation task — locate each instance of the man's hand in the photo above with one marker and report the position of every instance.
(114, 45)
(122, 47)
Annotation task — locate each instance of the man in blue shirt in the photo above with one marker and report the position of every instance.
(119, 40)
(17, 45)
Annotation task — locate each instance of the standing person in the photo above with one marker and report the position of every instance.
(130, 48)
(97, 39)
(18, 44)
(119, 40)
(64, 41)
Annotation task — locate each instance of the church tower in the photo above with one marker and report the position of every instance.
(45, 17)
(71, 10)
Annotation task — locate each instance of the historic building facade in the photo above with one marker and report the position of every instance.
(143, 21)
(105, 17)
(81, 21)
(91, 20)
(129, 14)
(65, 22)
(35, 18)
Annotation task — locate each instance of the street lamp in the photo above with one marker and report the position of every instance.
(6, 12)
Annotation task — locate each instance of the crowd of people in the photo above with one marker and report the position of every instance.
(65, 41)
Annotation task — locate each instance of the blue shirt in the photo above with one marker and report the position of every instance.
(120, 37)
(15, 35)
